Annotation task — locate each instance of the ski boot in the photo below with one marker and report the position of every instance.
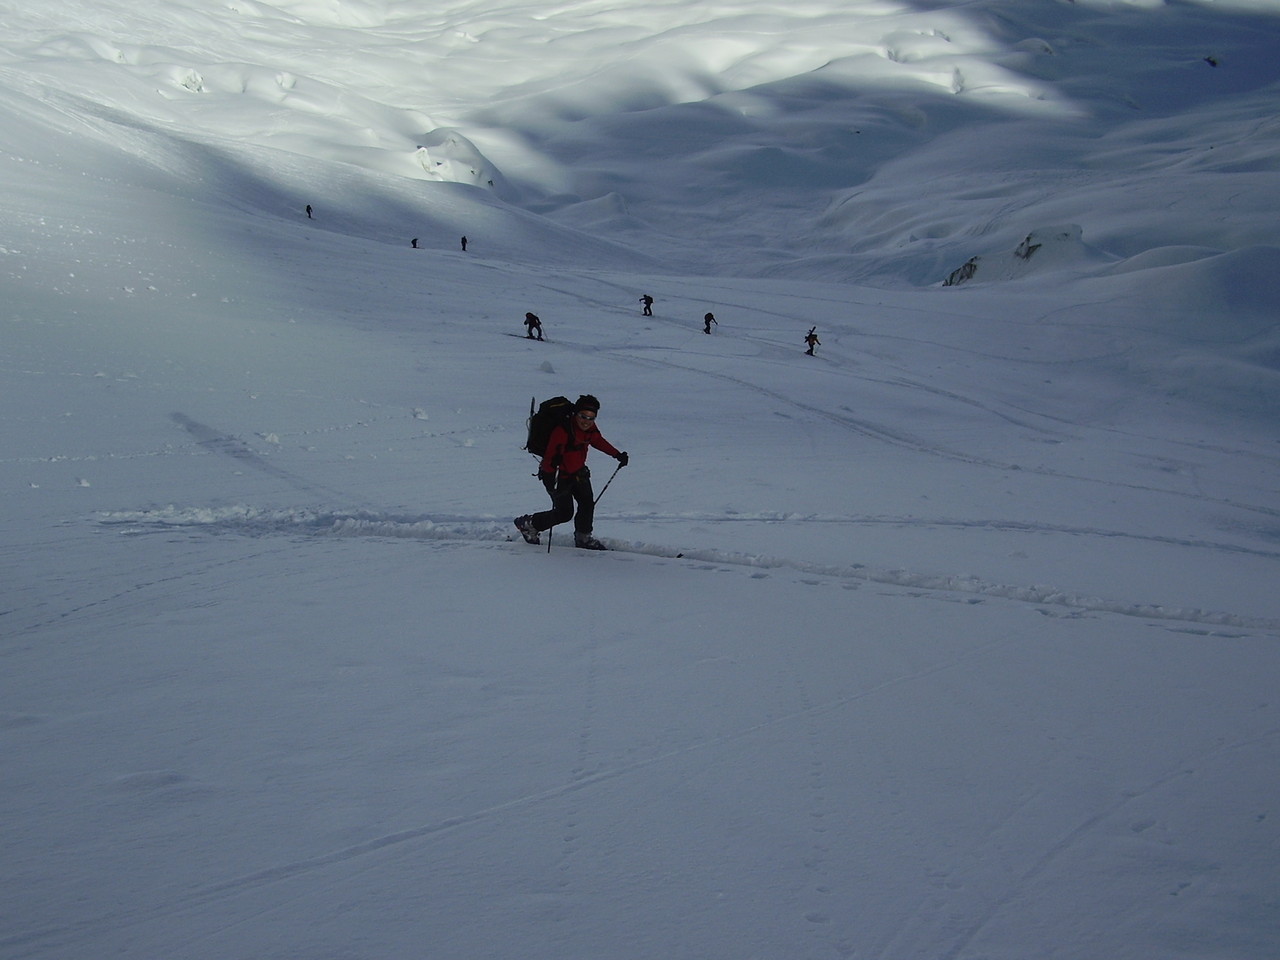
(527, 530)
(585, 541)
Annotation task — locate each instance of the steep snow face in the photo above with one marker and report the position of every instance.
(717, 121)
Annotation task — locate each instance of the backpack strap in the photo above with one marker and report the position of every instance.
(567, 425)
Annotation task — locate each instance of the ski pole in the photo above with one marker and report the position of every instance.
(606, 486)
(551, 529)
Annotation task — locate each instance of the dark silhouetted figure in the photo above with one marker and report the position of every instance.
(811, 338)
(707, 321)
(464, 244)
(309, 217)
(532, 323)
(414, 243)
(648, 306)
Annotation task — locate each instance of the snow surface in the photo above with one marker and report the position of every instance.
(957, 640)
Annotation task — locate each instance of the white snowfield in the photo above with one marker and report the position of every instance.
(959, 640)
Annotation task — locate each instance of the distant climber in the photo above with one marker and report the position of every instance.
(532, 324)
(414, 243)
(309, 217)
(811, 338)
(648, 306)
(464, 244)
(707, 321)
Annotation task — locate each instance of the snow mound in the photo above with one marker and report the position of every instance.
(1220, 299)
(446, 154)
(1214, 317)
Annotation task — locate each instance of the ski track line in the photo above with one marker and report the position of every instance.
(684, 325)
(1119, 348)
(223, 443)
(789, 348)
(1018, 887)
(98, 457)
(901, 381)
(131, 592)
(897, 438)
(1005, 526)
(876, 432)
(249, 521)
(863, 427)
(272, 876)
(587, 762)
(822, 874)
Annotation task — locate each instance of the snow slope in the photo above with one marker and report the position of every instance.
(957, 640)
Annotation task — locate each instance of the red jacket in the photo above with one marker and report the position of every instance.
(570, 454)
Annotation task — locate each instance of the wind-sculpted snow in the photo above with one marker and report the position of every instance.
(459, 55)
(611, 117)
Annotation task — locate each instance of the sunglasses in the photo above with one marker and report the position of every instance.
(585, 416)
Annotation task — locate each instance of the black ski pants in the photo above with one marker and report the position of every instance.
(565, 493)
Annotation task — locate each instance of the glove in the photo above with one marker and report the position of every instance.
(548, 479)
(623, 459)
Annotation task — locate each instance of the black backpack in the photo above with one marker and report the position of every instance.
(549, 415)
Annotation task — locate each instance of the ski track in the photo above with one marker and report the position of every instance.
(225, 444)
(587, 762)
(132, 593)
(898, 438)
(870, 429)
(579, 780)
(254, 522)
(1017, 888)
(822, 874)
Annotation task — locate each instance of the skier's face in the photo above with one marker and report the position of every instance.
(585, 419)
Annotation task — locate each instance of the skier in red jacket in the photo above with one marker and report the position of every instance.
(565, 474)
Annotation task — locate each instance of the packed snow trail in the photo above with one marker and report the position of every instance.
(252, 522)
